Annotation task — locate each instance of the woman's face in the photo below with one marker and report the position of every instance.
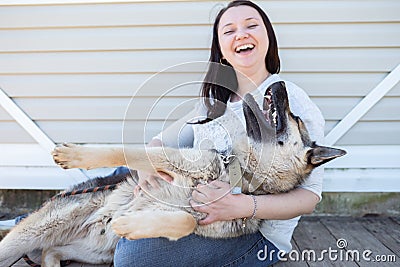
(243, 38)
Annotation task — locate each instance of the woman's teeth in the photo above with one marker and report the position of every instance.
(244, 48)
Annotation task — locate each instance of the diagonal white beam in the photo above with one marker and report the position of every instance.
(26, 122)
(364, 106)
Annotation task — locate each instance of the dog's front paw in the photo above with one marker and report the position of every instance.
(124, 226)
(154, 223)
(68, 156)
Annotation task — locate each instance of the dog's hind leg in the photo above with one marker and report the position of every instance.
(155, 223)
(53, 256)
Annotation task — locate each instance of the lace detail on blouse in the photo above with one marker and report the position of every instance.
(219, 134)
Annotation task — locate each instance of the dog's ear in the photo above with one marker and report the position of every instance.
(319, 155)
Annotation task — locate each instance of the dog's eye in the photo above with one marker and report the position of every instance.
(280, 143)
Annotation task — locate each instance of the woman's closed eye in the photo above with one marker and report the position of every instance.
(229, 31)
(252, 26)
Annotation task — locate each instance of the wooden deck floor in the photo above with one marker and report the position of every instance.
(347, 242)
(375, 240)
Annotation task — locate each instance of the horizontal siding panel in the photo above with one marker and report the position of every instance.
(173, 108)
(40, 178)
(24, 155)
(339, 84)
(4, 116)
(191, 13)
(106, 108)
(12, 132)
(312, 60)
(331, 11)
(106, 85)
(127, 85)
(101, 131)
(339, 60)
(196, 37)
(338, 35)
(369, 133)
(105, 15)
(372, 156)
(362, 180)
(387, 109)
(92, 39)
(95, 62)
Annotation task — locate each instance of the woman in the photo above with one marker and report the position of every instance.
(243, 38)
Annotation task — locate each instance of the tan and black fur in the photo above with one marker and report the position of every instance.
(275, 155)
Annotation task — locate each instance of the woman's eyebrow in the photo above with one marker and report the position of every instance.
(250, 18)
(230, 23)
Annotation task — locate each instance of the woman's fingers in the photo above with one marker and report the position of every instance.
(199, 197)
(165, 176)
(153, 182)
(136, 190)
(204, 208)
(147, 181)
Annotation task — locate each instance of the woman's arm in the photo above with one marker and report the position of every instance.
(177, 134)
(222, 206)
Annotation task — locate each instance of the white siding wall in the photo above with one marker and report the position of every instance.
(73, 68)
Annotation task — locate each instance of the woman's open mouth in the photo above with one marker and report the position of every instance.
(244, 48)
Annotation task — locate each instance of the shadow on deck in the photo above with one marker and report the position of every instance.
(335, 241)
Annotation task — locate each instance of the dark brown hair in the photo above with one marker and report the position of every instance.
(220, 80)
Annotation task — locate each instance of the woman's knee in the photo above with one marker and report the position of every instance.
(143, 252)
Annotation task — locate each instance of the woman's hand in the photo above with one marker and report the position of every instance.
(216, 200)
(147, 180)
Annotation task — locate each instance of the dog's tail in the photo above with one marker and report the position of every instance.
(41, 229)
(18, 242)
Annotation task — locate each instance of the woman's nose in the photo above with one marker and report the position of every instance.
(241, 34)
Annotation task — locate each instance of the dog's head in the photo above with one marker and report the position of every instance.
(281, 153)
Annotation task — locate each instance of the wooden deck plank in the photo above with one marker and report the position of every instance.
(357, 239)
(289, 262)
(386, 231)
(312, 235)
(396, 220)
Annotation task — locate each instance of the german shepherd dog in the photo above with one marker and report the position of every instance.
(275, 155)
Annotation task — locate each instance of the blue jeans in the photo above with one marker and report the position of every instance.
(194, 250)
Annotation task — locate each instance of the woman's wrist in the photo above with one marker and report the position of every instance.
(254, 213)
(248, 207)
(253, 209)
